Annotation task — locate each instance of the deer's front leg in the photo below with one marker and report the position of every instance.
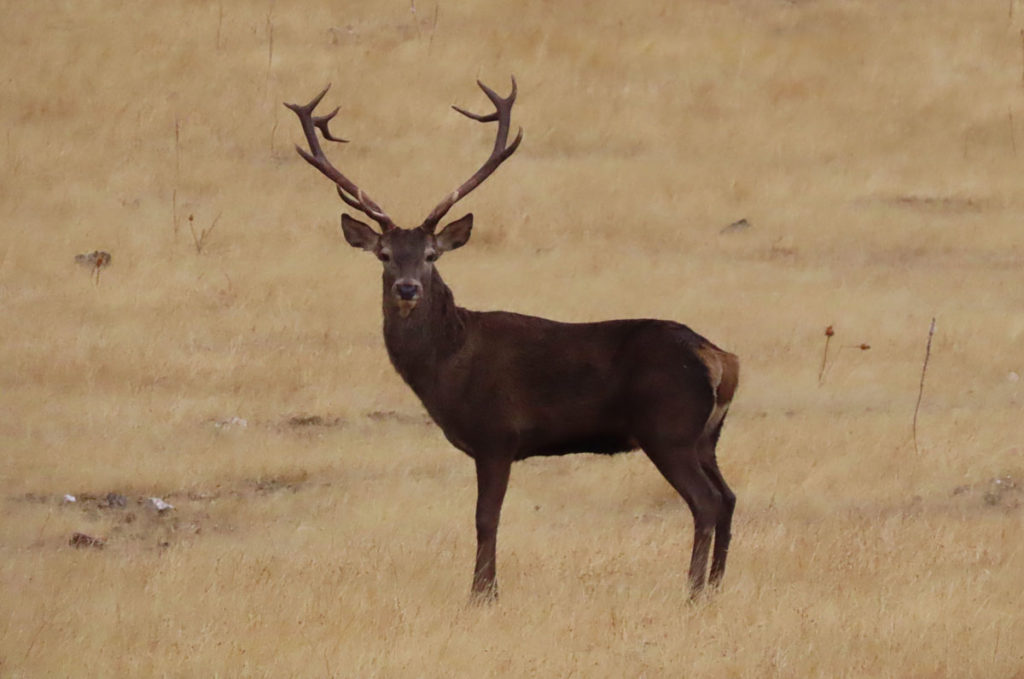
(491, 481)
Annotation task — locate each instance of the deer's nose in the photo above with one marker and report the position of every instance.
(407, 291)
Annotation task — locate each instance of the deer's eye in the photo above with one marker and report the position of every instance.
(431, 256)
(383, 256)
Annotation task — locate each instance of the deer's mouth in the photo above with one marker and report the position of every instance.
(405, 306)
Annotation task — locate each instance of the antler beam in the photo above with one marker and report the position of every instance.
(502, 150)
(349, 192)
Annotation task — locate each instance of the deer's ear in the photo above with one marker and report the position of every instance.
(358, 234)
(456, 234)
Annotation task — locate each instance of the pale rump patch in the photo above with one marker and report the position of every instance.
(723, 373)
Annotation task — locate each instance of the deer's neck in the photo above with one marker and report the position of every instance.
(419, 343)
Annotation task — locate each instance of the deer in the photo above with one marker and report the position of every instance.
(504, 386)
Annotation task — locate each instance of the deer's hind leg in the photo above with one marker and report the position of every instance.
(681, 467)
(723, 526)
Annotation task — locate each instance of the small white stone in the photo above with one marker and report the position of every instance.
(232, 423)
(68, 499)
(159, 505)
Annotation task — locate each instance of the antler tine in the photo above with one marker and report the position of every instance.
(496, 99)
(321, 124)
(350, 201)
(305, 114)
(489, 118)
(349, 192)
(502, 150)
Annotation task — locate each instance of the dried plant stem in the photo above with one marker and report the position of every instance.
(177, 175)
(824, 355)
(270, 41)
(220, 20)
(1013, 132)
(415, 19)
(199, 239)
(920, 388)
(433, 28)
(49, 618)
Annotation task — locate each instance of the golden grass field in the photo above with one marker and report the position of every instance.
(873, 147)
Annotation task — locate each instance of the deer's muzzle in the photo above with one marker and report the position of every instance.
(407, 293)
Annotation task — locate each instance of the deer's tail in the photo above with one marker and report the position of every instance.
(724, 375)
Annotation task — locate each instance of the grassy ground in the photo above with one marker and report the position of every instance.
(872, 146)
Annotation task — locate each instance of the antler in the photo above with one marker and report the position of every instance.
(503, 114)
(349, 192)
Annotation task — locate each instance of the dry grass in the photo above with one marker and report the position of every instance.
(872, 145)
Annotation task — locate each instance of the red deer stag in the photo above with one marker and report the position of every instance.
(504, 386)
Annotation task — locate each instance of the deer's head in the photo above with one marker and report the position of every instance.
(408, 255)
